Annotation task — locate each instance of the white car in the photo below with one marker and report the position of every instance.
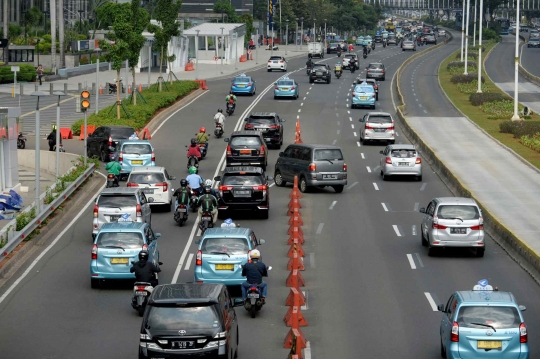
(377, 126)
(155, 183)
(442, 33)
(277, 63)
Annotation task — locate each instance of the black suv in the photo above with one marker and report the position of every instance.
(190, 320)
(378, 38)
(105, 139)
(267, 123)
(320, 72)
(243, 188)
(247, 148)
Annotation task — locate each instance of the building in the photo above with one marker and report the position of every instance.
(198, 11)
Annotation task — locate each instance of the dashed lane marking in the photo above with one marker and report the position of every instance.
(396, 229)
(188, 263)
(376, 187)
(411, 261)
(319, 229)
(431, 301)
(384, 207)
(332, 205)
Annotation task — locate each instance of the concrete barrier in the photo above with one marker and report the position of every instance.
(27, 158)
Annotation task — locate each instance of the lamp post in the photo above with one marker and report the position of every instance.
(80, 19)
(467, 36)
(474, 27)
(462, 29)
(235, 50)
(272, 48)
(325, 34)
(301, 32)
(314, 38)
(197, 55)
(37, 48)
(45, 13)
(97, 81)
(58, 93)
(296, 36)
(223, 49)
(479, 90)
(37, 169)
(286, 36)
(516, 65)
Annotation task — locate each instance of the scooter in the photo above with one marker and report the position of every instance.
(230, 109)
(384, 44)
(253, 302)
(206, 222)
(112, 181)
(112, 86)
(21, 141)
(141, 292)
(338, 73)
(365, 55)
(194, 201)
(339, 54)
(181, 214)
(308, 70)
(202, 148)
(373, 45)
(352, 67)
(219, 130)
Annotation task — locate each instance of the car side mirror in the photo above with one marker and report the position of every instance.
(262, 241)
(422, 210)
(440, 308)
(269, 178)
(217, 178)
(157, 235)
(225, 139)
(172, 178)
(522, 308)
(381, 152)
(280, 155)
(238, 302)
(197, 241)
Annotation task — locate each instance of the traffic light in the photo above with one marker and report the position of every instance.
(85, 103)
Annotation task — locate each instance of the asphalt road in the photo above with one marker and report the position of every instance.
(370, 285)
(529, 58)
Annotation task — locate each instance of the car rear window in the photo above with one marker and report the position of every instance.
(261, 120)
(403, 153)
(458, 211)
(375, 66)
(136, 149)
(334, 45)
(498, 317)
(328, 154)
(275, 58)
(363, 89)
(380, 119)
(172, 318)
(242, 180)
(285, 83)
(126, 240)
(319, 67)
(231, 246)
(122, 132)
(245, 141)
(147, 178)
(242, 79)
(117, 201)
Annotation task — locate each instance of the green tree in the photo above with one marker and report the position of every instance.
(224, 7)
(139, 21)
(248, 20)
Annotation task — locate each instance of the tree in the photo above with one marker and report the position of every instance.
(248, 20)
(139, 21)
(224, 7)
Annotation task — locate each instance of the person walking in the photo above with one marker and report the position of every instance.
(40, 73)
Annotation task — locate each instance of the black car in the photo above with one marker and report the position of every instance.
(268, 124)
(378, 38)
(372, 82)
(320, 72)
(332, 48)
(190, 320)
(104, 140)
(430, 39)
(247, 148)
(534, 42)
(244, 189)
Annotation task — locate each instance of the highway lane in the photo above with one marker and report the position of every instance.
(529, 59)
(358, 279)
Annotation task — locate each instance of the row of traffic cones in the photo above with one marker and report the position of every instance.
(297, 131)
(295, 339)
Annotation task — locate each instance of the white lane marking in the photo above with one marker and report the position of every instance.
(334, 142)
(413, 229)
(352, 126)
(337, 114)
(223, 167)
(307, 351)
(311, 87)
(396, 229)
(319, 229)
(411, 261)
(362, 154)
(199, 232)
(351, 186)
(349, 112)
(416, 206)
(376, 187)
(271, 184)
(332, 205)
(304, 98)
(354, 133)
(423, 187)
(350, 119)
(299, 109)
(42, 254)
(384, 207)
(419, 105)
(338, 132)
(419, 260)
(307, 93)
(189, 260)
(431, 301)
(302, 104)
(425, 111)
(338, 123)
(312, 260)
(368, 169)
(347, 105)
(175, 112)
(358, 143)
(397, 134)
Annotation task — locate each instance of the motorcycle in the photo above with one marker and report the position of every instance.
(384, 44)
(60, 148)
(373, 45)
(202, 148)
(194, 201)
(181, 214)
(339, 54)
(112, 181)
(112, 86)
(141, 292)
(365, 55)
(193, 161)
(308, 70)
(21, 141)
(352, 67)
(338, 73)
(219, 130)
(230, 109)
(206, 222)
(253, 302)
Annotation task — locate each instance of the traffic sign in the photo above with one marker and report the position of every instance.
(15, 69)
(216, 58)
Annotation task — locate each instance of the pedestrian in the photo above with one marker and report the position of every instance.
(40, 73)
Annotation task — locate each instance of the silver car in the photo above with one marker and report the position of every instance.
(408, 45)
(120, 204)
(377, 126)
(452, 222)
(401, 160)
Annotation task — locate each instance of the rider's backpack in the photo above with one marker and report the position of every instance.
(207, 203)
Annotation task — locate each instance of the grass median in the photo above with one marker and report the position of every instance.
(481, 115)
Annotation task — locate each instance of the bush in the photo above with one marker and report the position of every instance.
(478, 99)
(27, 73)
(497, 110)
(471, 87)
(520, 128)
(471, 55)
(489, 34)
(141, 114)
(532, 142)
(461, 64)
(84, 60)
(465, 79)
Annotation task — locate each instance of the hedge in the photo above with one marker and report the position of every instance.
(520, 128)
(460, 64)
(470, 54)
(465, 79)
(141, 114)
(478, 99)
(27, 73)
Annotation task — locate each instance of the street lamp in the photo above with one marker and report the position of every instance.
(286, 36)
(313, 36)
(480, 49)
(58, 93)
(467, 36)
(45, 13)
(222, 49)
(301, 32)
(516, 65)
(97, 79)
(80, 18)
(462, 29)
(296, 35)
(197, 55)
(38, 149)
(272, 50)
(37, 40)
(325, 35)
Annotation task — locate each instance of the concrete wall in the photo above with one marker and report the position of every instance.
(46, 60)
(27, 158)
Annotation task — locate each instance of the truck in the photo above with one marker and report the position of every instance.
(390, 27)
(315, 49)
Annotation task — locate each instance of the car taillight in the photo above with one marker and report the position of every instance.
(293, 88)
(96, 210)
(353, 94)
(262, 150)
(269, 60)
(248, 126)
(344, 167)
(94, 251)
(373, 95)
(164, 185)
(477, 228)
(120, 157)
(139, 211)
(276, 88)
(281, 61)
(141, 288)
(454, 336)
(153, 157)
(259, 188)
(523, 337)
(234, 84)
(388, 160)
(312, 167)
(418, 160)
(110, 175)
(250, 84)
(368, 127)
(110, 141)
(275, 127)
(229, 153)
(391, 128)
(383, 71)
(375, 87)
(367, 70)
(225, 188)
(198, 262)
(438, 226)
(131, 184)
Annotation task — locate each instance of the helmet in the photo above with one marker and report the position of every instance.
(230, 92)
(193, 142)
(208, 182)
(143, 255)
(207, 189)
(255, 254)
(220, 111)
(53, 126)
(202, 129)
(183, 183)
(192, 170)
(228, 221)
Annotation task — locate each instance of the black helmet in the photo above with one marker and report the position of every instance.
(220, 111)
(183, 183)
(207, 189)
(143, 255)
(193, 142)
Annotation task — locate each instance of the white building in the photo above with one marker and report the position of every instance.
(229, 39)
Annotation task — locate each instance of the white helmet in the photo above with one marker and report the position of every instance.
(208, 182)
(255, 254)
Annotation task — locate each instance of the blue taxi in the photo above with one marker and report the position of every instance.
(367, 41)
(359, 41)
(221, 254)
(483, 323)
(118, 244)
(363, 95)
(135, 153)
(243, 84)
(286, 87)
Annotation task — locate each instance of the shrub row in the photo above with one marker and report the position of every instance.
(478, 99)
(498, 110)
(465, 79)
(471, 87)
(471, 55)
(27, 73)
(141, 114)
(520, 128)
(532, 142)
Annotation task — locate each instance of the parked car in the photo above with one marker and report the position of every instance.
(402, 159)
(269, 124)
(315, 166)
(246, 148)
(377, 126)
(243, 84)
(134, 153)
(104, 140)
(155, 183)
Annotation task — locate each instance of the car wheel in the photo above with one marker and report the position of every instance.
(339, 188)
(384, 177)
(284, 70)
(443, 351)
(303, 185)
(424, 240)
(94, 283)
(275, 97)
(310, 81)
(104, 156)
(89, 153)
(432, 251)
(264, 214)
(268, 70)
(480, 252)
(278, 179)
(419, 178)
(391, 142)
(384, 78)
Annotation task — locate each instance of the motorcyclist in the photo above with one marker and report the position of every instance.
(202, 137)
(194, 180)
(339, 51)
(114, 168)
(230, 97)
(338, 68)
(309, 63)
(352, 64)
(182, 195)
(208, 203)
(194, 150)
(219, 117)
(208, 183)
(365, 50)
(52, 138)
(145, 271)
(254, 271)
(351, 48)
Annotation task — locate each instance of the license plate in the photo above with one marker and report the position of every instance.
(183, 345)
(206, 218)
(181, 210)
(275, 62)
(329, 176)
(458, 230)
(136, 162)
(403, 164)
(380, 130)
(114, 218)
(241, 193)
(284, 89)
(148, 190)
(318, 73)
(253, 295)
(119, 260)
(224, 266)
(363, 97)
(241, 85)
(261, 129)
(245, 152)
(143, 293)
(489, 344)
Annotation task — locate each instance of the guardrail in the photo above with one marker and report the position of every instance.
(16, 237)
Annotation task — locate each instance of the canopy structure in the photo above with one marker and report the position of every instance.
(216, 41)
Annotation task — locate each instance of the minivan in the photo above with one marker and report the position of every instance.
(315, 166)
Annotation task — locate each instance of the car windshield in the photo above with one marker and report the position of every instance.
(242, 79)
(319, 67)
(285, 83)
(117, 201)
(242, 180)
(458, 211)
(231, 246)
(391, 35)
(261, 121)
(172, 318)
(122, 132)
(380, 119)
(366, 89)
(245, 141)
(149, 178)
(136, 149)
(403, 153)
(126, 240)
(328, 154)
(408, 42)
(350, 55)
(498, 317)
(334, 45)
